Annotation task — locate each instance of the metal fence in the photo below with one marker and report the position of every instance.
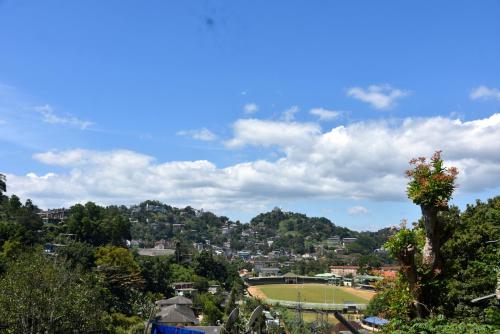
(315, 306)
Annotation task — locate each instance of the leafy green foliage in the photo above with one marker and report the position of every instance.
(44, 295)
(403, 239)
(98, 225)
(18, 222)
(394, 300)
(470, 267)
(472, 260)
(438, 324)
(211, 312)
(157, 273)
(120, 275)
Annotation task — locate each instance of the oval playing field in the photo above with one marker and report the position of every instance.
(311, 293)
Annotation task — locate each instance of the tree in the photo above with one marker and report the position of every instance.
(156, 272)
(472, 259)
(404, 246)
(448, 258)
(79, 254)
(431, 186)
(210, 267)
(44, 295)
(97, 225)
(211, 313)
(120, 274)
(18, 221)
(231, 302)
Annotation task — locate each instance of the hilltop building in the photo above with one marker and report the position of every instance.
(54, 216)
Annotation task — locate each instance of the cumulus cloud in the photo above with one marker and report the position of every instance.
(357, 210)
(250, 108)
(324, 114)
(49, 116)
(271, 133)
(289, 114)
(378, 96)
(200, 134)
(485, 93)
(364, 160)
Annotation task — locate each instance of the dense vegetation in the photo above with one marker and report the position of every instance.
(92, 283)
(448, 259)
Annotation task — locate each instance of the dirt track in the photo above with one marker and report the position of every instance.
(256, 292)
(362, 293)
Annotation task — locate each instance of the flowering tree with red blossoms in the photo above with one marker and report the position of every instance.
(431, 186)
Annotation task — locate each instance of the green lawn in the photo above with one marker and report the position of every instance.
(311, 293)
(312, 316)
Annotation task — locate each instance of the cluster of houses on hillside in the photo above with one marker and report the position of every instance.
(271, 263)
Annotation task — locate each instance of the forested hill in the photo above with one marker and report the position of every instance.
(287, 231)
(290, 229)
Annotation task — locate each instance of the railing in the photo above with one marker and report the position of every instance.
(315, 306)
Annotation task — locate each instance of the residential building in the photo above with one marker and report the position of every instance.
(333, 242)
(54, 216)
(184, 288)
(176, 312)
(389, 272)
(346, 241)
(244, 255)
(269, 272)
(164, 244)
(155, 208)
(213, 289)
(344, 270)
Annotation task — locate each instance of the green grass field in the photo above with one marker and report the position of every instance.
(313, 293)
(312, 316)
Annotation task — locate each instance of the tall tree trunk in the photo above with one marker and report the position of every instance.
(431, 249)
(407, 259)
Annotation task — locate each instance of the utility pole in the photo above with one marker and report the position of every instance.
(300, 319)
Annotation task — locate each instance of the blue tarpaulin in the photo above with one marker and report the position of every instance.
(162, 329)
(375, 321)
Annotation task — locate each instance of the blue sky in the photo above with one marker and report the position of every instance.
(241, 106)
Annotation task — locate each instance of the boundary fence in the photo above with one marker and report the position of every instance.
(315, 306)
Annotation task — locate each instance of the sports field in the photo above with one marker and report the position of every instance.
(312, 293)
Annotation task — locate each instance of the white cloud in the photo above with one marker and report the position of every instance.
(357, 210)
(364, 160)
(270, 133)
(485, 93)
(324, 114)
(200, 134)
(289, 114)
(250, 108)
(379, 96)
(49, 116)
